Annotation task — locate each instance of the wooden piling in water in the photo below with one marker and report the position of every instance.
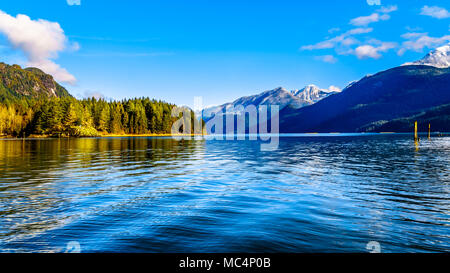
(429, 130)
(416, 134)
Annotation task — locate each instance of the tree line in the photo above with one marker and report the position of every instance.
(83, 118)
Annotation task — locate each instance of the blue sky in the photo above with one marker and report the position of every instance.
(222, 50)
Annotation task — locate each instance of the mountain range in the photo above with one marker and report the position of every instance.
(375, 100)
(294, 99)
(390, 100)
(387, 101)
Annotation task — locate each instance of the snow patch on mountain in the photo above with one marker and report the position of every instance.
(440, 58)
(312, 94)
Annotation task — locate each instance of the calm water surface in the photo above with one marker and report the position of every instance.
(313, 194)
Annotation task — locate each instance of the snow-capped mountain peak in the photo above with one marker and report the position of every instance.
(312, 93)
(279, 96)
(440, 58)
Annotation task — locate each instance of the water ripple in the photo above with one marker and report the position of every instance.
(313, 194)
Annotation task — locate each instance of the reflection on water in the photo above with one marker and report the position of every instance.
(313, 194)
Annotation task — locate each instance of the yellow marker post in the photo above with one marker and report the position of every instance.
(416, 134)
(429, 130)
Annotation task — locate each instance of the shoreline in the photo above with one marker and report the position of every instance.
(150, 135)
(103, 136)
(194, 135)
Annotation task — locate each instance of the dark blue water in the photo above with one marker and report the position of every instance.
(313, 194)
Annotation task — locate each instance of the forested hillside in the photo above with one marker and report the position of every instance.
(32, 103)
(16, 82)
(68, 116)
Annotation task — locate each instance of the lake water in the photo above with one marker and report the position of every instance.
(332, 193)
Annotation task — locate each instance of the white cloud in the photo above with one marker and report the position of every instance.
(347, 44)
(349, 41)
(413, 35)
(40, 41)
(327, 59)
(322, 45)
(74, 2)
(333, 30)
(370, 51)
(334, 88)
(436, 12)
(359, 31)
(343, 46)
(344, 39)
(388, 9)
(382, 14)
(366, 20)
(418, 41)
(367, 51)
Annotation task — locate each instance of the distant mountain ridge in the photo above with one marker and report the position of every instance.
(279, 96)
(16, 82)
(375, 100)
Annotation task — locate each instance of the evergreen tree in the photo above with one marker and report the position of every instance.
(70, 119)
(54, 117)
(104, 118)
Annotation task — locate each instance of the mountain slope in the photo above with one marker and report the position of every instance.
(294, 99)
(438, 117)
(278, 96)
(398, 92)
(440, 58)
(16, 82)
(312, 94)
